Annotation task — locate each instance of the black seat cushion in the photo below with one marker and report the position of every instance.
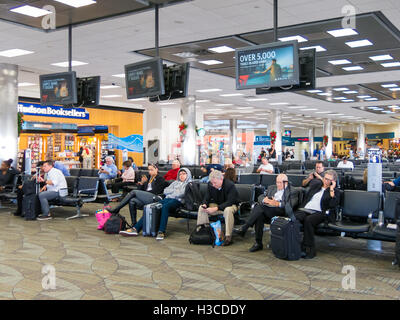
(385, 232)
(349, 226)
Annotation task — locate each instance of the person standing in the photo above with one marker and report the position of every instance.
(87, 158)
(55, 188)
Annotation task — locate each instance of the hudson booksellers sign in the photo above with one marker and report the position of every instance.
(34, 109)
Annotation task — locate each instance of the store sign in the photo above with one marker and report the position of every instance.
(35, 109)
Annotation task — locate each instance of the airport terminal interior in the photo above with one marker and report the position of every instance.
(200, 150)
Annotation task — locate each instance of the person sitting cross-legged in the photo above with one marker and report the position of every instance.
(174, 198)
(270, 204)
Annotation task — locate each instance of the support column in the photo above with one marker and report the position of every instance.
(328, 131)
(233, 136)
(311, 141)
(189, 147)
(276, 123)
(8, 112)
(361, 137)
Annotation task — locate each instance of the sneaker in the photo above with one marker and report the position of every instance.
(44, 218)
(129, 233)
(160, 236)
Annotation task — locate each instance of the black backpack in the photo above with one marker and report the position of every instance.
(192, 199)
(202, 234)
(115, 224)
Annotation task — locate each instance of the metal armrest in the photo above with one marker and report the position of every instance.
(86, 190)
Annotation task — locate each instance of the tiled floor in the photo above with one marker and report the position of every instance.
(90, 264)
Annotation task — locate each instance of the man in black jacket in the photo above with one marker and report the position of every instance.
(270, 204)
(221, 197)
(319, 199)
(316, 176)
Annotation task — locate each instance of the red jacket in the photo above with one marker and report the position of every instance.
(172, 174)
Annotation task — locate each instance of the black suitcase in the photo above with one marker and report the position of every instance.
(151, 219)
(285, 238)
(31, 207)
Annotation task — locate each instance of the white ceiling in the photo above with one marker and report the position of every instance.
(107, 47)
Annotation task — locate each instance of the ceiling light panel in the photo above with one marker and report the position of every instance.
(77, 3)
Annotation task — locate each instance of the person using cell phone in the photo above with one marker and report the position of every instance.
(315, 176)
(318, 205)
(270, 204)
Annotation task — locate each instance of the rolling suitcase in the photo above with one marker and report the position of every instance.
(151, 219)
(31, 207)
(285, 238)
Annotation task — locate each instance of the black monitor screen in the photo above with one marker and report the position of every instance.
(144, 79)
(88, 91)
(272, 65)
(58, 88)
(288, 133)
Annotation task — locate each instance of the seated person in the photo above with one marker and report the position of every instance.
(393, 184)
(109, 170)
(175, 193)
(173, 173)
(148, 187)
(209, 168)
(127, 177)
(316, 176)
(7, 174)
(318, 200)
(221, 198)
(265, 167)
(345, 164)
(230, 174)
(134, 166)
(55, 188)
(270, 204)
(60, 166)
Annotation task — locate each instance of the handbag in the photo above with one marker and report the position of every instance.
(202, 234)
(102, 215)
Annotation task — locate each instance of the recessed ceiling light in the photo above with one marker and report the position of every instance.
(257, 99)
(353, 68)
(389, 85)
(224, 105)
(298, 38)
(350, 92)
(210, 62)
(387, 111)
(311, 109)
(77, 3)
(394, 89)
(340, 89)
(342, 32)
(31, 11)
(139, 99)
(317, 48)
(112, 96)
(363, 97)
(359, 43)
(314, 91)
(278, 103)
(339, 98)
(202, 101)
(339, 62)
(14, 53)
(209, 90)
(381, 57)
(296, 107)
(221, 49)
(328, 94)
(231, 95)
(347, 100)
(371, 99)
(390, 64)
(121, 75)
(66, 64)
(26, 84)
(109, 87)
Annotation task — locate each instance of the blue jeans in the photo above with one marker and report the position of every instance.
(168, 205)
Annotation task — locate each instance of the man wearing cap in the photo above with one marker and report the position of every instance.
(270, 204)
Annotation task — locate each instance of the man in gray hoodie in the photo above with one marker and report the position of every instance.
(174, 199)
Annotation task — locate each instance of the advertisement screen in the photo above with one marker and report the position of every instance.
(272, 65)
(144, 79)
(58, 88)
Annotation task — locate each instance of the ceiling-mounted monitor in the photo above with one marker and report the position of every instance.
(176, 82)
(307, 74)
(88, 90)
(268, 65)
(58, 89)
(144, 79)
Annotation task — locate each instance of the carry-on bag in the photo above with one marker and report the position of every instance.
(285, 238)
(151, 219)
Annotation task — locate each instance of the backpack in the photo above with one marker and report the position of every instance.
(192, 198)
(115, 224)
(102, 216)
(203, 234)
